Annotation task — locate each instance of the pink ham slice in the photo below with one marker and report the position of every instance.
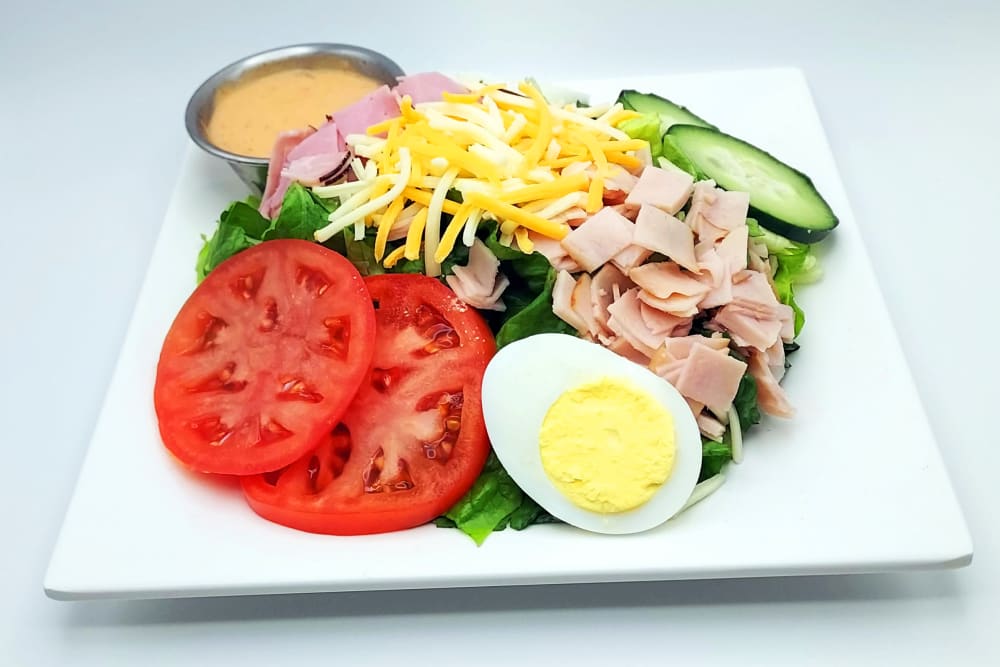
(776, 360)
(770, 395)
(378, 106)
(680, 347)
(621, 181)
(562, 301)
(746, 329)
(669, 370)
(427, 87)
(626, 212)
(283, 145)
(626, 320)
(659, 322)
(714, 273)
(754, 318)
(661, 279)
(582, 302)
(309, 160)
(661, 232)
(599, 239)
(668, 189)
(554, 252)
(326, 140)
(710, 427)
(312, 169)
(787, 318)
(733, 249)
(679, 305)
(753, 286)
(715, 212)
(711, 377)
(623, 348)
(479, 283)
(631, 257)
(603, 287)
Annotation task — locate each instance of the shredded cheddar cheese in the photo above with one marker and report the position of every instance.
(513, 158)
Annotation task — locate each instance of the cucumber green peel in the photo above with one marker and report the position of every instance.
(783, 199)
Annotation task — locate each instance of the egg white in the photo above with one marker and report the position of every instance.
(527, 376)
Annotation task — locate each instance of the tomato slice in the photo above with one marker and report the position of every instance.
(263, 358)
(413, 441)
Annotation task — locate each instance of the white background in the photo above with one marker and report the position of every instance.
(91, 104)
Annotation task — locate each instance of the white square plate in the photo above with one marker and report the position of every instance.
(853, 484)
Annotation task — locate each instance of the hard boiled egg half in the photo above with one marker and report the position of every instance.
(597, 440)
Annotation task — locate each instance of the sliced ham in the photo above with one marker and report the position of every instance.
(711, 377)
(427, 87)
(378, 106)
(627, 212)
(714, 273)
(680, 347)
(626, 320)
(770, 396)
(668, 189)
(582, 302)
(623, 348)
(631, 257)
(661, 232)
(680, 305)
(669, 370)
(599, 239)
(603, 286)
(776, 360)
(661, 279)
(562, 301)
(270, 200)
(315, 155)
(787, 318)
(554, 252)
(747, 330)
(660, 322)
(401, 225)
(710, 427)
(695, 406)
(326, 140)
(755, 263)
(620, 180)
(753, 286)
(733, 249)
(479, 283)
(311, 170)
(715, 212)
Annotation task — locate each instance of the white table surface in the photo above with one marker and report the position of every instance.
(91, 103)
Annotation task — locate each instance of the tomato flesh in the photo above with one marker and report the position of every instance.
(263, 358)
(413, 440)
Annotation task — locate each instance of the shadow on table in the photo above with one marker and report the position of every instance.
(905, 586)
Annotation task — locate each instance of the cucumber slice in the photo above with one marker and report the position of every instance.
(783, 199)
(669, 113)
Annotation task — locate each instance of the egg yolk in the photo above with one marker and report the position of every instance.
(607, 445)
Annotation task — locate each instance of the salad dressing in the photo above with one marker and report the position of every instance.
(250, 112)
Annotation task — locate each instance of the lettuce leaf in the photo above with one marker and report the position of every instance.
(490, 501)
(673, 154)
(533, 318)
(796, 265)
(746, 402)
(646, 126)
(240, 227)
(302, 213)
(493, 503)
(715, 456)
